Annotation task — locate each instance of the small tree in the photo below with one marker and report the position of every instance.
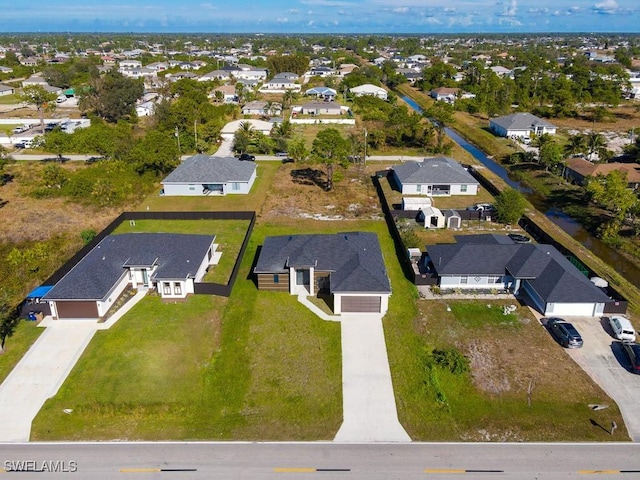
(330, 150)
(510, 206)
(43, 101)
(298, 151)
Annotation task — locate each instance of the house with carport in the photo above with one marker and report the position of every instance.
(347, 267)
(203, 175)
(169, 263)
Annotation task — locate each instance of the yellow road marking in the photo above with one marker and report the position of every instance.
(598, 472)
(139, 470)
(444, 470)
(294, 470)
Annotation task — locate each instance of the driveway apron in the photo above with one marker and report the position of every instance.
(39, 374)
(369, 406)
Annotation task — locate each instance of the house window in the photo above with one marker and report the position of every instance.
(418, 188)
(494, 279)
(166, 288)
(235, 186)
(192, 187)
(177, 288)
(464, 280)
(276, 278)
(463, 188)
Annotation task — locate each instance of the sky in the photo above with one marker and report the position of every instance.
(321, 16)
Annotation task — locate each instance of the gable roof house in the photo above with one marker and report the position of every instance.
(440, 176)
(320, 108)
(538, 272)
(348, 266)
(170, 262)
(206, 175)
(280, 85)
(520, 125)
(6, 90)
(260, 107)
(368, 89)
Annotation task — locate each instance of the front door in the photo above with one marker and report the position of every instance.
(302, 277)
(145, 278)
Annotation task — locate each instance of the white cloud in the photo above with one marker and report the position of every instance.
(510, 9)
(400, 10)
(608, 7)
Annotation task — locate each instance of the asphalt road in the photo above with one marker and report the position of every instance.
(320, 460)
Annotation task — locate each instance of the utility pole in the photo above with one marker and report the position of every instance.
(177, 134)
(195, 131)
(365, 145)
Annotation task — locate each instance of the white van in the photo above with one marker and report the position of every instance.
(622, 328)
(61, 98)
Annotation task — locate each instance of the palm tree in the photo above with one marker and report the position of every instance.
(595, 142)
(577, 144)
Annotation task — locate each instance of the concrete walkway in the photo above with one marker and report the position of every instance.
(368, 402)
(44, 368)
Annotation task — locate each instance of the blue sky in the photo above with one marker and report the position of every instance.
(321, 16)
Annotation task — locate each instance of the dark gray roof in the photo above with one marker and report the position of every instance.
(209, 169)
(177, 256)
(354, 259)
(520, 121)
(441, 170)
(548, 272)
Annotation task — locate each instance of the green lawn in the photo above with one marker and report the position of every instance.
(253, 201)
(17, 345)
(256, 366)
(229, 237)
(9, 99)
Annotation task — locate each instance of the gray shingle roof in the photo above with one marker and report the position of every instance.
(548, 272)
(178, 257)
(441, 170)
(520, 121)
(354, 259)
(209, 169)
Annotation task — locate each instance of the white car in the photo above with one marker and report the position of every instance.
(622, 328)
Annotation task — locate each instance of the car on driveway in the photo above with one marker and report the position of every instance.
(564, 332)
(247, 157)
(632, 350)
(622, 328)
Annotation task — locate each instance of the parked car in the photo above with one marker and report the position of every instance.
(247, 157)
(21, 129)
(518, 238)
(282, 154)
(479, 207)
(24, 144)
(94, 159)
(622, 328)
(564, 332)
(632, 350)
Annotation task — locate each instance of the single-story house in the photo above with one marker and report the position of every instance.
(171, 263)
(229, 130)
(347, 266)
(206, 175)
(445, 93)
(6, 90)
(368, 89)
(222, 75)
(287, 76)
(34, 81)
(322, 92)
(578, 169)
(321, 108)
(259, 107)
(520, 125)
(228, 93)
(540, 272)
(280, 85)
(434, 177)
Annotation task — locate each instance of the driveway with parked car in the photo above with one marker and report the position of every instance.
(604, 359)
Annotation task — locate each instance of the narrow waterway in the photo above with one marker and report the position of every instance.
(609, 255)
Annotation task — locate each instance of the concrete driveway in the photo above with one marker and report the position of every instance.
(604, 360)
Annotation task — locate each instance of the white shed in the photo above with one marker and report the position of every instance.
(416, 203)
(433, 218)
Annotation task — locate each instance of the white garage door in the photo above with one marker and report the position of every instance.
(571, 309)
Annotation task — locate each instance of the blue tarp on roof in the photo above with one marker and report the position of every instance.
(39, 292)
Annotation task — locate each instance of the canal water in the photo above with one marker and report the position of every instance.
(609, 255)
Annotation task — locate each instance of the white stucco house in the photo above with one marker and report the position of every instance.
(368, 89)
(520, 125)
(440, 176)
(203, 175)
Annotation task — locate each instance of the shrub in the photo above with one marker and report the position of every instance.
(451, 359)
(87, 235)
